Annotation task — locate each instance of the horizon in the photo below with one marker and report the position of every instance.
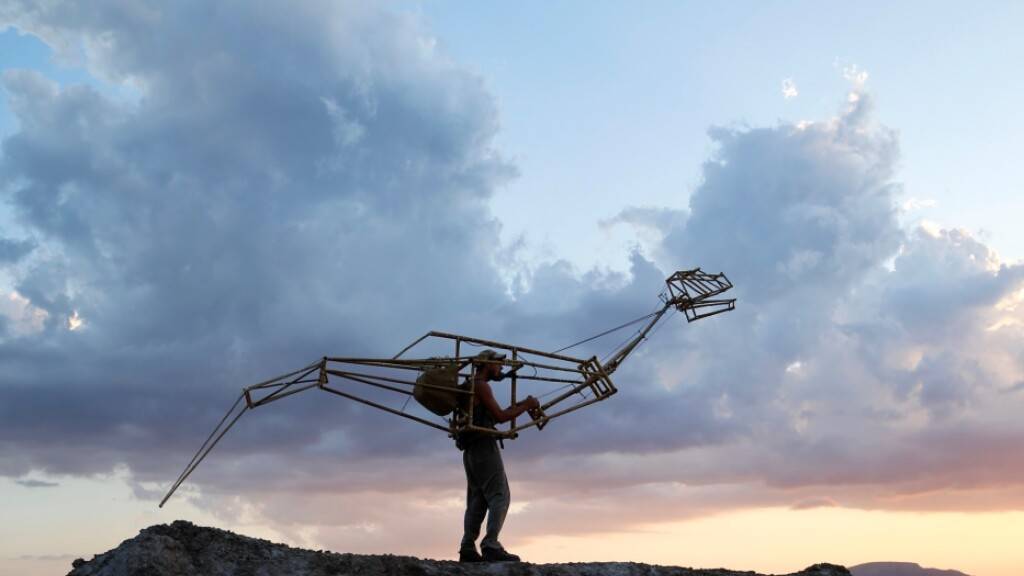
(194, 198)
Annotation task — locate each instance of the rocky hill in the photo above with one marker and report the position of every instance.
(899, 569)
(184, 549)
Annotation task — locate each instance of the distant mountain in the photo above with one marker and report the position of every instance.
(899, 569)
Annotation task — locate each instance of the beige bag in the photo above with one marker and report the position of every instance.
(437, 388)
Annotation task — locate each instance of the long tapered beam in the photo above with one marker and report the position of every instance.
(384, 408)
(237, 410)
(503, 345)
(207, 446)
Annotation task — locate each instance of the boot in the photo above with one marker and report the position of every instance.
(499, 555)
(470, 555)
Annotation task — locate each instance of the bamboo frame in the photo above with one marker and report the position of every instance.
(690, 291)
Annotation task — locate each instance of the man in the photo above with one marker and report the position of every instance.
(486, 484)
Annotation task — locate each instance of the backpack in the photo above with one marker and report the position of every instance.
(437, 387)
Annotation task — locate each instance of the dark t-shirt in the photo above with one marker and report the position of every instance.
(482, 418)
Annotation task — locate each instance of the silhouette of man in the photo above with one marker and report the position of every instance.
(486, 484)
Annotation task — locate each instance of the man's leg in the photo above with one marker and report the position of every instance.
(476, 507)
(490, 471)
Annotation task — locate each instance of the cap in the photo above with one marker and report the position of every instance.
(489, 355)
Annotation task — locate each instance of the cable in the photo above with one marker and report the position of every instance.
(619, 347)
(653, 332)
(630, 337)
(605, 333)
(559, 389)
(659, 326)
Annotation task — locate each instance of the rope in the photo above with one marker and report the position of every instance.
(615, 350)
(648, 337)
(619, 347)
(659, 326)
(606, 332)
(559, 389)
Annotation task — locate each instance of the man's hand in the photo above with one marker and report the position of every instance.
(533, 408)
(530, 404)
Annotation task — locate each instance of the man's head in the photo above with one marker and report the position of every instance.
(489, 362)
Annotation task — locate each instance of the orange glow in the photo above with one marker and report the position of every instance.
(781, 540)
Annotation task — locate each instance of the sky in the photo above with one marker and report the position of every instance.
(196, 197)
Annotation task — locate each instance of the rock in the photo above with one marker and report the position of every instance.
(184, 549)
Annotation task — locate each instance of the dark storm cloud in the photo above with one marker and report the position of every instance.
(287, 183)
(11, 251)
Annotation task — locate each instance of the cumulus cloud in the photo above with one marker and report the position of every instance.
(649, 221)
(293, 182)
(789, 89)
(915, 204)
(865, 361)
(856, 75)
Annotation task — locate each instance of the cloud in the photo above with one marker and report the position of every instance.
(656, 222)
(862, 356)
(33, 483)
(915, 204)
(18, 316)
(270, 197)
(11, 251)
(293, 182)
(810, 503)
(855, 75)
(792, 206)
(789, 89)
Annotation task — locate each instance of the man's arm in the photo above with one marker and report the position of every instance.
(500, 415)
